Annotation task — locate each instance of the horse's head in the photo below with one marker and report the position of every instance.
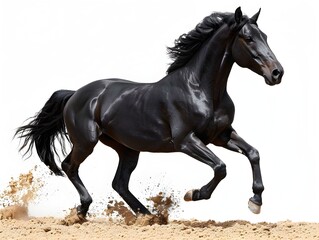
(250, 49)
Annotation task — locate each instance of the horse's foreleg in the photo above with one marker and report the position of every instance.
(195, 148)
(127, 163)
(237, 144)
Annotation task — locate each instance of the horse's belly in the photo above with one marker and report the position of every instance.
(139, 138)
(141, 132)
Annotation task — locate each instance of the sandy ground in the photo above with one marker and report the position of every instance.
(120, 223)
(51, 228)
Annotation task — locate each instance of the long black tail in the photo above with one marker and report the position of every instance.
(44, 128)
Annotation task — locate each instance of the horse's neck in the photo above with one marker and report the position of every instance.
(219, 81)
(212, 67)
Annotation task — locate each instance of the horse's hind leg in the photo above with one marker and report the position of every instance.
(71, 166)
(128, 160)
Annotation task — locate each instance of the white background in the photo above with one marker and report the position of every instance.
(51, 45)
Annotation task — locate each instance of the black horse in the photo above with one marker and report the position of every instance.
(186, 110)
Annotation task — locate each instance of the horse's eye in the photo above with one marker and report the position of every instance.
(248, 39)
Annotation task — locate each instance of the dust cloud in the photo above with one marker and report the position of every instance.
(121, 223)
(19, 193)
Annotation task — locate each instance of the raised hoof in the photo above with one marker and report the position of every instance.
(189, 196)
(253, 207)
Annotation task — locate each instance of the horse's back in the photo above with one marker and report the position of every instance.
(88, 93)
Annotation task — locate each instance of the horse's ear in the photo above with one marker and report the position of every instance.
(255, 17)
(238, 15)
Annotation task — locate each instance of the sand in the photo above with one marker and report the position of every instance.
(51, 228)
(120, 223)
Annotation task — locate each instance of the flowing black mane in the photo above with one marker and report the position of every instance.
(187, 44)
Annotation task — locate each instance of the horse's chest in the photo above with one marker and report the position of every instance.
(220, 121)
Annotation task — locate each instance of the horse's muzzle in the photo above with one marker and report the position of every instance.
(276, 76)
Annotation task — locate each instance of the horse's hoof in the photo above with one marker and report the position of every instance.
(80, 214)
(81, 217)
(189, 196)
(253, 207)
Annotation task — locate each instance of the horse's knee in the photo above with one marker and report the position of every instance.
(220, 171)
(253, 156)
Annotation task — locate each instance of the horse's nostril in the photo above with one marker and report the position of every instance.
(276, 73)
